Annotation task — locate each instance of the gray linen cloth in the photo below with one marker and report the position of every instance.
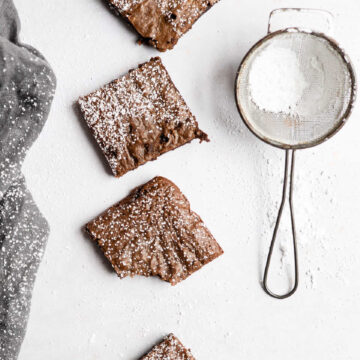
(27, 86)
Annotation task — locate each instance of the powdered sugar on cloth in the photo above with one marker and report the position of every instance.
(27, 86)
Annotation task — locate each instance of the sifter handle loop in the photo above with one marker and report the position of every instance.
(311, 19)
(268, 261)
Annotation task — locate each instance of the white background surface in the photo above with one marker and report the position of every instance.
(82, 311)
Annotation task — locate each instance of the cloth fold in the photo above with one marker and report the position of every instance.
(27, 86)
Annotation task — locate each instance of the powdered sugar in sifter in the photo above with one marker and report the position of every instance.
(294, 89)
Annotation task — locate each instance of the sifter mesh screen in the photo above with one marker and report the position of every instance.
(294, 89)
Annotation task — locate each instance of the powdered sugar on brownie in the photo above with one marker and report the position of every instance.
(154, 232)
(162, 22)
(168, 8)
(138, 117)
(169, 349)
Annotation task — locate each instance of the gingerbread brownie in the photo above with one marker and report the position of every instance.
(153, 232)
(161, 22)
(169, 349)
(138, 117)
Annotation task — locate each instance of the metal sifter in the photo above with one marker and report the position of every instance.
(294, 89)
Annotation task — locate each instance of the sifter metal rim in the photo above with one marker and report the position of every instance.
(341, 121)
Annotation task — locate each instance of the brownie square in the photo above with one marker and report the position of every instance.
(153, 232)
(138, 117)
(169, 349)
(161, 22)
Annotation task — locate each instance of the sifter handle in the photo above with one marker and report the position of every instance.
(268, 261)
(311, 19)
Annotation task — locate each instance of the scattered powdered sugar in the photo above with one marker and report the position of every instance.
(315, 207)
(276, 80)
